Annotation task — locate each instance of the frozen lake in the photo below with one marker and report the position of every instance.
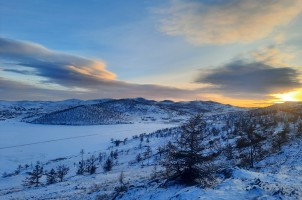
(22, 143)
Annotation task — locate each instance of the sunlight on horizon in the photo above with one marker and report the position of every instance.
(287, 97)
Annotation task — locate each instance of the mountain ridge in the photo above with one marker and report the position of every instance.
(108, 111)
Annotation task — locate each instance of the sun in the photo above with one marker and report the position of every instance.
(290, 96)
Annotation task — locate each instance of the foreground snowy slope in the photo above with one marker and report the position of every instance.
(279, 177)
(277, 167)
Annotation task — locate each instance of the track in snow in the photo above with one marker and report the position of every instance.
(55, 140)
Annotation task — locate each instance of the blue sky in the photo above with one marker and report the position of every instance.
(154, 49)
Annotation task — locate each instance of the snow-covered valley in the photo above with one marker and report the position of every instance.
(137, 151)
(23, 143)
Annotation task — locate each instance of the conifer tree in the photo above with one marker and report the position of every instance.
(184, 160)
(91, 165)
(51, 177)
(34, 177)
(62, 171)
(108, 165)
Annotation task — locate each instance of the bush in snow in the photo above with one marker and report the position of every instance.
(123, 186)
(108, 165)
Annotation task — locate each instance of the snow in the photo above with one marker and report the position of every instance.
(280, 177)
(107, 111)
(24, 143)
(276, 176)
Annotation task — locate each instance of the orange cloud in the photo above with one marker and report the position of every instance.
(62, 76)
(96, 69)
(230, 21)
(55, 67)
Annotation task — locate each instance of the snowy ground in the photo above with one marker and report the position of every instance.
(23, 143)
(278, 176)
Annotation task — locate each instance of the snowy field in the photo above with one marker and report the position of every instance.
(23, 143)
(278, 176)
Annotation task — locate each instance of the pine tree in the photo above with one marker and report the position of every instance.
(81, 168)
(280, 139)
(101, 156)
(138, 157)
(148, 153)
(108, 165)
(115, 154)
(62, 171)
(18, 170)
(123, 186)
(121, 178)
(34, 176)
(184, 160)
(81, 165)
(82, 154)
(51, 177)
(91, 165)
(299, 129)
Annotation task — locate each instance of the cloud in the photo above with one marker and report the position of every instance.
(80, 77)
(227, 21)
(63, 69)
(25, 72)
(273, 56)
(15, 90)
(250, 79)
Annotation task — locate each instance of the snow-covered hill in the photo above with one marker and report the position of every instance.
(276, 171)
(29, 110)
(108, 111)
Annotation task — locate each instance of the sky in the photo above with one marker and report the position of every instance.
(239, 52)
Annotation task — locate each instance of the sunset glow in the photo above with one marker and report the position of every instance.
(151, 99)
(290, 96)
(153, 49)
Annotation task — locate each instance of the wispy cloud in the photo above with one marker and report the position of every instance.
(273, 56)
(227, 21)
(18, 71)
(15, 90)
(64, 69)
(71, 72)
